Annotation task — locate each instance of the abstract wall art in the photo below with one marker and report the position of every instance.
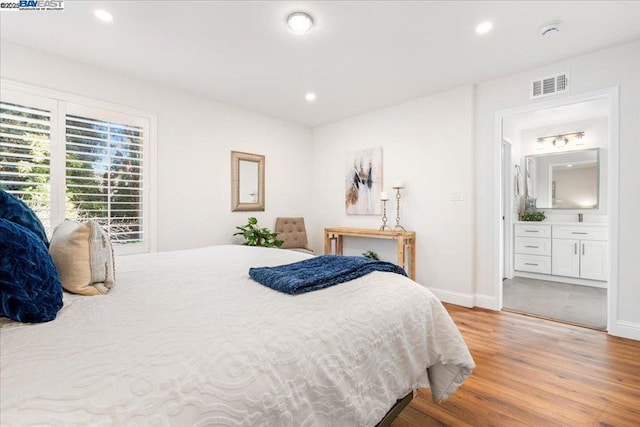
(363, 180)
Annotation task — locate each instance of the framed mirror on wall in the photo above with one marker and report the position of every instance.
(247, 181)
(565, 180)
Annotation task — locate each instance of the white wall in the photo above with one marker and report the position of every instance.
(426, 143)
(195, 136)
(617, 66)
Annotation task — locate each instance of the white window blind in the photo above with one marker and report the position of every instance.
(104, 175)
(25, 156)
(77, 161)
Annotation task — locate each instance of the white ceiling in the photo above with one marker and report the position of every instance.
(359, 56)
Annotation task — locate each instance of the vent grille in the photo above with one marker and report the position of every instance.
(549, 85)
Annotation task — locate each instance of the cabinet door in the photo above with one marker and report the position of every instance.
(593, 260)
(565, 257)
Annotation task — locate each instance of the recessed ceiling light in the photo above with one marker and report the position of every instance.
(569, 166)
(103, 15)
(484, 27)
(310, 97)
(300, 22)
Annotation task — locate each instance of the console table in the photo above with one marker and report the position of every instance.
(406, 243)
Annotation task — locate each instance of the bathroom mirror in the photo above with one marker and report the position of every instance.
(565, 180)
(247, 181)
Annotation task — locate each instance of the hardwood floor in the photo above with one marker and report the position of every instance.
(538, 373)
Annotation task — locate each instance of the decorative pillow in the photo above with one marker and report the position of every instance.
(30, 290)
(84, 257)
(15, 210)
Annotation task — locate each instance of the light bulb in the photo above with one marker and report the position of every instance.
(300, 22)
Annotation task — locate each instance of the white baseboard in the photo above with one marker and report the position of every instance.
(486, 301)
(452, 297)
(625, 329)
(466, 300)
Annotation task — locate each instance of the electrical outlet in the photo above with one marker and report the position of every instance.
(456, 196)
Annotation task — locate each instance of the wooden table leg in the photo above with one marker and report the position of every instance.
(401, 258)
(412, 259)
(338, 245)
(327, 243)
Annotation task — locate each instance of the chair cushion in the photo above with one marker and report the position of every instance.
(30, 289)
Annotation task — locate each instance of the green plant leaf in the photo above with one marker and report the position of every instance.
(258, 236)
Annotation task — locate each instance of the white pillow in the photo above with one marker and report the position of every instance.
(83, 257)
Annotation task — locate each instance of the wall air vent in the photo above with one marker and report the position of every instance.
(549, 85)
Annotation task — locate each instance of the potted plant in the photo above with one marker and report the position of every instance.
(533, 216)
(257, 236)
(371, 255)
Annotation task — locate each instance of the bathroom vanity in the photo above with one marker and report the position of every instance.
(563, 252)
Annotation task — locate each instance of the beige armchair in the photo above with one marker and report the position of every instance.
(293, 233)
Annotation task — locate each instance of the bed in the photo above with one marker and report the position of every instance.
(187, 338)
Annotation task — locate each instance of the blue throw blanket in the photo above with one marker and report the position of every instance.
(318, 273)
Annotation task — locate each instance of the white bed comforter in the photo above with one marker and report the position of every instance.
(186, 338)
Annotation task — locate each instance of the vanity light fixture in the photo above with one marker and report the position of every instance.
(310, 96)
(561, 140)
(299, 22)
(103, 15)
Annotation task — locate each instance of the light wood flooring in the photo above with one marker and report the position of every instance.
(536, 372)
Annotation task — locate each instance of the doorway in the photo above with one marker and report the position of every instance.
(548, 130)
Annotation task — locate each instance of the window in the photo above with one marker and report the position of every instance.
(25, 156)
(76, 161)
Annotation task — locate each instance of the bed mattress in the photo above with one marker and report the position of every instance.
(187, 338)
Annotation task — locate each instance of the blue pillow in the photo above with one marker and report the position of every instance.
(30, 290)
(15, 210)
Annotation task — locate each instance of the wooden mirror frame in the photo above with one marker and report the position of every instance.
(236, 205)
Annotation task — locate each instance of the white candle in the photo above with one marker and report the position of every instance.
(383, 196)
(398, 184)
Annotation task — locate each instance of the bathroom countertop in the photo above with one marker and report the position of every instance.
(576, 223)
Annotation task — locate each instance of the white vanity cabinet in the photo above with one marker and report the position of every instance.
(532, 247)
(566, 259)
(562, 251)
(579, 251)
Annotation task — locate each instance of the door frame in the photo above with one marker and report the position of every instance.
(507, 195)
(612, 96)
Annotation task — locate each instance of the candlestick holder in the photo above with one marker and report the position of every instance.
(398, 226)
(384, 217)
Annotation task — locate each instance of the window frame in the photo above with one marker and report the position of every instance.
(59, 104)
